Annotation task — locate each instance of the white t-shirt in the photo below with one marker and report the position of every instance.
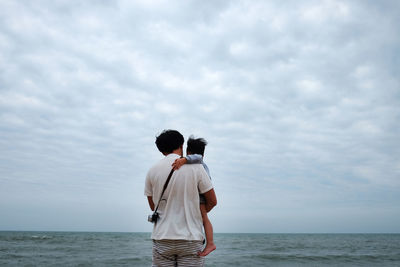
(180, 216)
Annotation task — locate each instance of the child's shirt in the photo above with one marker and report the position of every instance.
(197, 158)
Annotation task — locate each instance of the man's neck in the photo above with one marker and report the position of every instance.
(177, 151)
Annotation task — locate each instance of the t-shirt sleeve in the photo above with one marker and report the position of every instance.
(148, 189)
(205, 184)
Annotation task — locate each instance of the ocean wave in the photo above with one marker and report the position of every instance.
(135, 249)
(43, 237)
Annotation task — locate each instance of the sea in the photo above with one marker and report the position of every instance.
(134, 249)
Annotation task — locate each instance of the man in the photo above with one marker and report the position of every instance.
(177, 235)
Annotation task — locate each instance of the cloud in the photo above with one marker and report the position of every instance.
(299, 103)
(325, 10)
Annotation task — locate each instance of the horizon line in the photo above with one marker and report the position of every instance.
(128, 232)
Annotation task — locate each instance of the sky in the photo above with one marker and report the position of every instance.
(299, 102)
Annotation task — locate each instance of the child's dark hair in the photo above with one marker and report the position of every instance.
(169, 140)
(196, 145)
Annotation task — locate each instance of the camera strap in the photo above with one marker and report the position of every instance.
(165, 187)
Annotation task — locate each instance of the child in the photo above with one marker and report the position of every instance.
(194, 154)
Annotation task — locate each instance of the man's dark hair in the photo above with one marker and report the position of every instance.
(196, 145)
(169, 140)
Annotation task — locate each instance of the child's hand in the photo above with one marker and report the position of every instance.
(178, 163)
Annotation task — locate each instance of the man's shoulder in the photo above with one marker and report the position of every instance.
(192, 169)
(164, 164)
(194, 166)
(157, 165)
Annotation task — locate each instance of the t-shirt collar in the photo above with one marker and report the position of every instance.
(172, 155)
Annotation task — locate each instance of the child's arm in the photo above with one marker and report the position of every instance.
(189, 159)
(194, 158)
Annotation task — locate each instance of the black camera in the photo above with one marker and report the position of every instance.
(154, 217)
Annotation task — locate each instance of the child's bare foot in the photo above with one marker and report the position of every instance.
(207, 250)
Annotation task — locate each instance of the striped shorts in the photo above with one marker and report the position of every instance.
(177, 253)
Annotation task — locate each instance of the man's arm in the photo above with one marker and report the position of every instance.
(211, 199)
(151, 203)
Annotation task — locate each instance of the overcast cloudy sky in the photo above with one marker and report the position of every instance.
(299, 101)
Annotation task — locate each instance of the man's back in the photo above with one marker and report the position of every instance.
(180, 216)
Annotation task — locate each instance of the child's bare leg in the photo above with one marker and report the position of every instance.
(208, 229)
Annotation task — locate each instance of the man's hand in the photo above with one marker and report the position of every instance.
(178, 163)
